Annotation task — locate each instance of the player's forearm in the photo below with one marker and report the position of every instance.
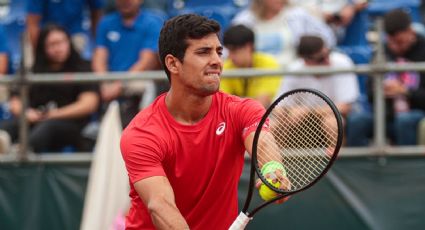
(165, 215)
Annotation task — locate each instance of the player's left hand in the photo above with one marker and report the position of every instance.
(285, 184)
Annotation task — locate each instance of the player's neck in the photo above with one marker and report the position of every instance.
(187, 109)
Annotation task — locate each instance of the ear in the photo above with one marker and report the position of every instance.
(172, 63)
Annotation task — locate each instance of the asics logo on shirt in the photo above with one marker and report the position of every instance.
(113, 36)
(220, 129)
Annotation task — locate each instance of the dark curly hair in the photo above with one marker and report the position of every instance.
(175, 32)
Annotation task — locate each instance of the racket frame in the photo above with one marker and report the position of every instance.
(254, 163)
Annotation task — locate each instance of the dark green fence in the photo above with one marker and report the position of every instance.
(358, 193)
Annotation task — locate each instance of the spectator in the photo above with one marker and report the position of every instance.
(4, 64)
(278, 27)
(239, 41)
(67, 13)
(4, 53)
(157, 5)
(404, 92)
(337, 14)
(57, 112)
(126, 41)
(342, 88)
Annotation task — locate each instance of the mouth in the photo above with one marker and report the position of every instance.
(213, 75)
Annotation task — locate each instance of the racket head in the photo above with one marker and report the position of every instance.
(307, 129)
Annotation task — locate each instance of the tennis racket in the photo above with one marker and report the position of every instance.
(301, 132)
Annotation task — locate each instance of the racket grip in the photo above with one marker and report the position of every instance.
(240, 222)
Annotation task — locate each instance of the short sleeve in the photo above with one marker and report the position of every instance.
(3, 41)
(102, 29)
(153, 29)
(249, 114)
(142, 154)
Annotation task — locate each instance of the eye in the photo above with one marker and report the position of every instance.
(202, 52)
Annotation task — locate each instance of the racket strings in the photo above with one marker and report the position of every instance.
(304, 135)
(297, 151)
(320, 107)
(310, 132)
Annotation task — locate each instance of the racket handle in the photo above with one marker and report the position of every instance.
(240, 222)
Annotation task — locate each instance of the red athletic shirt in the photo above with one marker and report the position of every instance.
(203, 162)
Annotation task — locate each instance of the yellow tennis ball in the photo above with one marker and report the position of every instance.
(266, 193)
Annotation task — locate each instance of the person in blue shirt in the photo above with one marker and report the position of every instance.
(4, 53)
(66, 13)
(126, 40)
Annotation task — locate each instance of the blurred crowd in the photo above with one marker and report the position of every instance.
(101, 36)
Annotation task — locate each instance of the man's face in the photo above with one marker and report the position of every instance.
(241, 56)
(401, 42)
(318, 59)
(200, 70)
(128, 8)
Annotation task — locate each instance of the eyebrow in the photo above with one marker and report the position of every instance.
(207, 48)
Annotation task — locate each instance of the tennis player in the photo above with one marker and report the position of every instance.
(185, 152)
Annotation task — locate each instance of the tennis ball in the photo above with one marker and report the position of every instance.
(266, 193)
(271, 167)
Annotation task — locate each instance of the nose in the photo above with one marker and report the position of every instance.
(216, 59)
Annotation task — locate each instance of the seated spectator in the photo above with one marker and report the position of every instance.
(404, 92)
(239, 41)
(126, 41)
(57, 112)
(341, 88)
(67, 13)
(278, 26)
(4, 64)
(338, 14)
(4, 53)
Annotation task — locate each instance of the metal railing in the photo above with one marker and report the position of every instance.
(375, 70)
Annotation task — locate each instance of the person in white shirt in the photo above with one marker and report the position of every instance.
(338, 14)
(341, 88)
(278, 27)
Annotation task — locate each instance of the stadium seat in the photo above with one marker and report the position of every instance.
(13, 20)
(14, 30)
(222, 14)
(180, 4)
(355, 34)
(380, 7)
(360, 55)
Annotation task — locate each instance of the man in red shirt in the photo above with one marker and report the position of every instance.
(185, 153)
